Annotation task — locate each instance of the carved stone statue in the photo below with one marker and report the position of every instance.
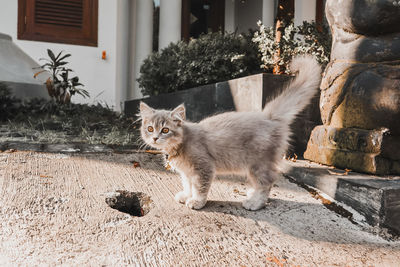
(360, 90)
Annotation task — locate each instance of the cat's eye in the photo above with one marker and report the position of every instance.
(165, 130)
(150, 129)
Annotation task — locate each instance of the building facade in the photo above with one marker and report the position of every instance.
(109, 40)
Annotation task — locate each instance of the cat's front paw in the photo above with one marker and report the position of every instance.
(195, 204)
(181, 197)
(250, 192)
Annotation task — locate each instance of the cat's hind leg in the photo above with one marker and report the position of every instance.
(261, 178)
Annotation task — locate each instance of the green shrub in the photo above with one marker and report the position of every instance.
(159, 72)
(303, 39)
(213, 57)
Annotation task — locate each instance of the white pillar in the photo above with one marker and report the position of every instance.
(143, 44)
(170, 22)
(230, 16)
(122, 50)
(304, 10)
(268, 12)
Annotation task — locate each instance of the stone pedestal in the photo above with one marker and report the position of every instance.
(360, 90)
(370, 151)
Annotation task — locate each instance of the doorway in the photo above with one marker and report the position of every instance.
(202, 16)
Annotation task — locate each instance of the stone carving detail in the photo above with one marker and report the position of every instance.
(360, 89)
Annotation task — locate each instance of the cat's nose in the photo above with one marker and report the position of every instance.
(155, 138)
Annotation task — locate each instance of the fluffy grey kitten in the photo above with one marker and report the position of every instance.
(250, 143)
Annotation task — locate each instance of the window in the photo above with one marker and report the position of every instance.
(58, 21)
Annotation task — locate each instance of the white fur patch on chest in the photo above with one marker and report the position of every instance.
(170, 164)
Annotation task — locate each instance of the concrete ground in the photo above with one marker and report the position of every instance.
(53, 212)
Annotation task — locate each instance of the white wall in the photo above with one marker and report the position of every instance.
(123, 46)
(242, 16)
(143, 46)
(170, 22)
(304, 10)
(230, 25)
(268, 12)
(102, 78)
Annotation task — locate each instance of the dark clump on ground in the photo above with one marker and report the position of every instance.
(43, 121)
(134, 203)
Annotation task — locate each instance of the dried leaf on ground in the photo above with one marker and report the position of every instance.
(291, 158)
(135, 164)
(236, 191)
(168, 167)
(273, 259)
(346, 172)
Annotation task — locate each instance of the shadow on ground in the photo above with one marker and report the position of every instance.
(302, 220)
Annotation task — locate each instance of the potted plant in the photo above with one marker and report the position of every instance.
(59, 85)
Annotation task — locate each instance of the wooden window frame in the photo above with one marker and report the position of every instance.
(185, 21)
(319, 13)
(87, 35)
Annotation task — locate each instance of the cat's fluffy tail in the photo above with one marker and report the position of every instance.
(298, 93)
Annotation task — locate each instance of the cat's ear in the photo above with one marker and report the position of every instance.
(179, 113)
(145, 109)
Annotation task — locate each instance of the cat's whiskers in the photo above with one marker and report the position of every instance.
(142, 144)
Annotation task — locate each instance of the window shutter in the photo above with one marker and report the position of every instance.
(60, 21)
(61, 13)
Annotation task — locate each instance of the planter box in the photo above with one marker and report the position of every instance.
(243, 94)
(248, 93)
